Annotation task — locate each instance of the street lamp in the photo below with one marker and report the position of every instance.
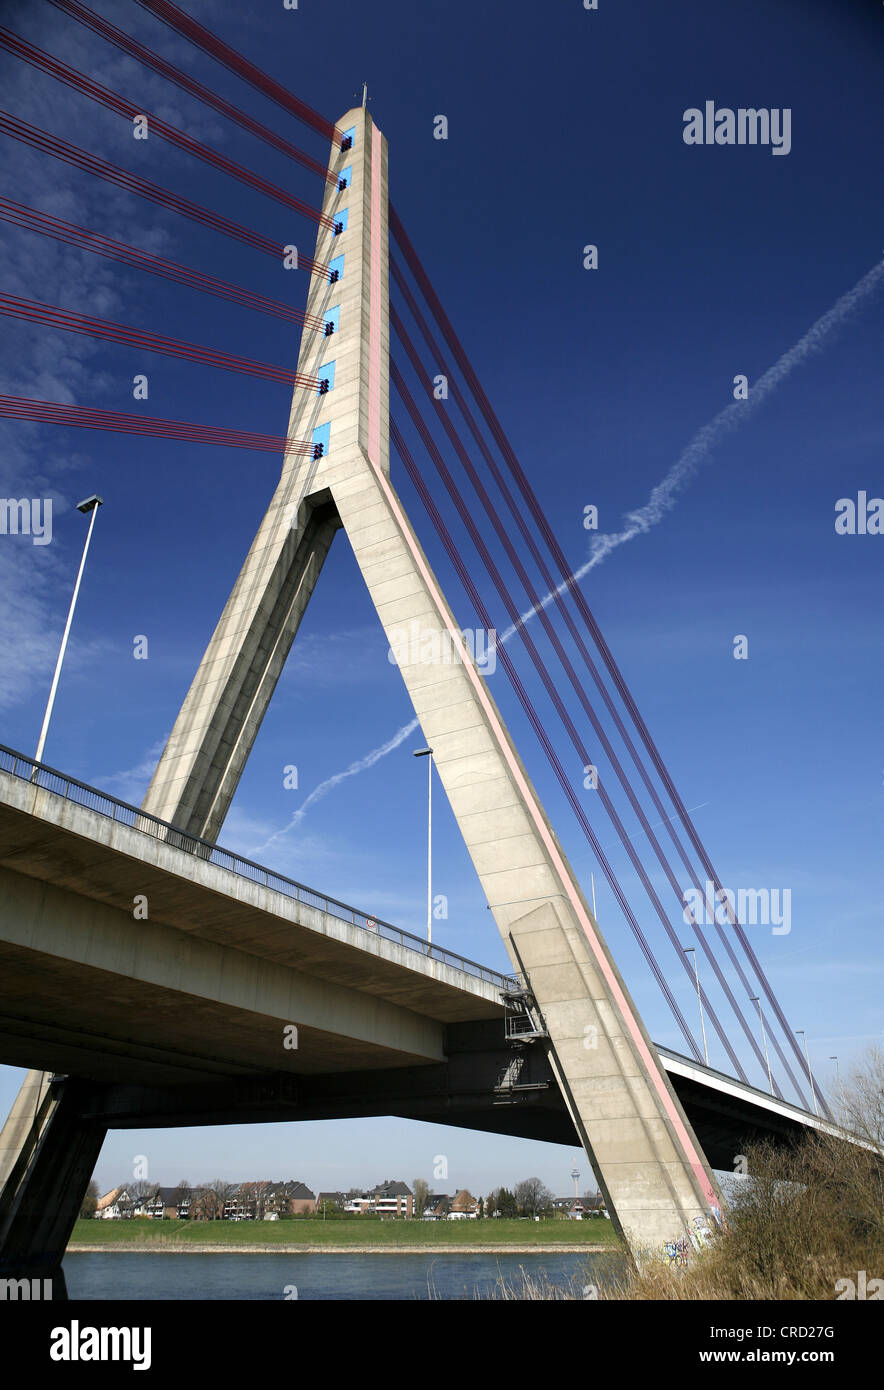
(756, 1000)
(89, 504)
(428, 754)
(692, 951)
(838, 1075)
(800, 1033)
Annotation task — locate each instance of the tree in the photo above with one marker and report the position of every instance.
(220, 1191)
(532, 1197)
(90, 1201)
(502, 1203)
(421, 1193)
(481, 1205)
(862, 1101)
(142, 1192)
(204, 1203)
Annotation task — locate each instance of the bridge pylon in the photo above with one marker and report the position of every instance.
(653, 1173)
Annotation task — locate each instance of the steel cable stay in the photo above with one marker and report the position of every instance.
(549, 685)
(102, 168)
(204, 39)
(188, 84)
(572, 589)
(544, 619)
(537, 725)
(30, 219)
(79, 82)
(51, 316)
(84, 417)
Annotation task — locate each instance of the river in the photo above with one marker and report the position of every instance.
(344, 1277)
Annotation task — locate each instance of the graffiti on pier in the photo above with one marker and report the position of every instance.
(675, 1253)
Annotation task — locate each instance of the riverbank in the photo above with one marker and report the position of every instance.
(171, 1247)
(356, 1236)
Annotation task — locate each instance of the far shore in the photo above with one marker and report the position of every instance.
(174, 1247)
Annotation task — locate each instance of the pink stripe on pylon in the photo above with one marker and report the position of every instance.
(374, 304)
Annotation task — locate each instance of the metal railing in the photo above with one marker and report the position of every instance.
(49, 779)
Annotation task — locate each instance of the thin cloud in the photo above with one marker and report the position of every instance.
(360, 765)
(665, 494)
(131, 784)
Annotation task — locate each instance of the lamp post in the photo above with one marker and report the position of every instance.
(838, 1075)
(90, 504)
(756, 1000)
(800, 1033)
(692, 951)
(428, 754)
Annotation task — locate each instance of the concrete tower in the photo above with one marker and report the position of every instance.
(641, 1146)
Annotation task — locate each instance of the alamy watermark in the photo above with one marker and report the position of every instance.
(745, 126)
(27, 516)
(751, 907)
(413, 646)
(27, 1290)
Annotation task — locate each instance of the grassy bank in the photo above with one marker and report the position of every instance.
(805, 1223)
(335, 1234)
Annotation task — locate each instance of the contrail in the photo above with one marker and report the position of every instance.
(662, 499)
(664, 495)
(360, 765)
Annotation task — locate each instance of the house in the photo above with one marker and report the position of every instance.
(267, 1201)
(393, 1199)
(358, 1205)
(288, 1198)
(387, 1199)
(436, 1207)
(115, 1205)
(162, 1205)
(245, 1202)
(331, 1199)
(578, 1208)
(464, 1206)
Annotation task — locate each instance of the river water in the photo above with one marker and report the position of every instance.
(340, 1276)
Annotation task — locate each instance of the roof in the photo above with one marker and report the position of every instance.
(391, 1189)
(463, 1199)
(169, 1196)
(110, 1197)
(299, 1192)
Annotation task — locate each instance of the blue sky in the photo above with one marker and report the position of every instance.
(565, 128)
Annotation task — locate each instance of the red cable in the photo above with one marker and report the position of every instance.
(543, 617)
(82, 417)
(91, 164)
(53, 317)
(30, 219)
(188, 84)
(453, 553)
(29, 53)
(224, 54)
(573, 589)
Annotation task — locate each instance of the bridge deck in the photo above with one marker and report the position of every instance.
(222, 962)
(229, 954)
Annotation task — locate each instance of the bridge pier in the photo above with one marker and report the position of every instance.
(46, 1182)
